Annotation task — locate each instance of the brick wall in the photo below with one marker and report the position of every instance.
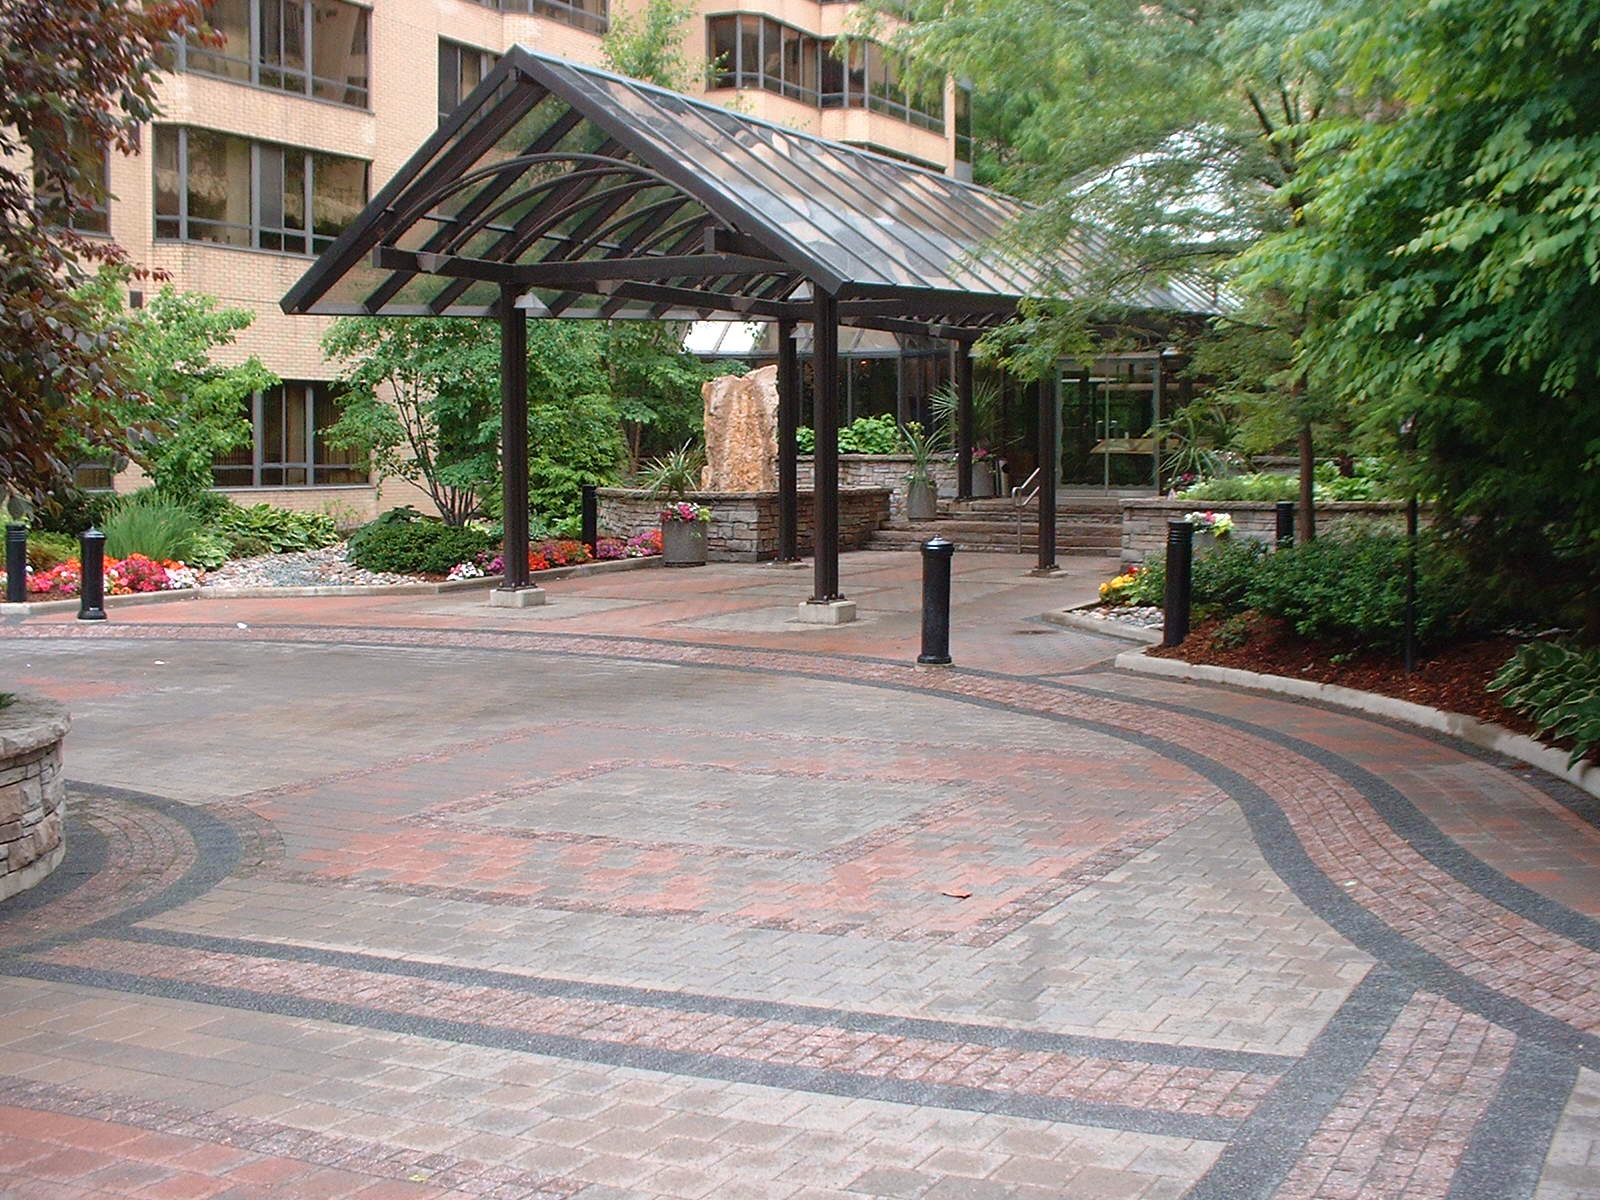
(744, 525)
(1144, 522)
(33, 793)
(887, 471)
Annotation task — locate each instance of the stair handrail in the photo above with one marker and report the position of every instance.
(1021, 497)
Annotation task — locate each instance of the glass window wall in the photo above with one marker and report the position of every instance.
(218, 187)
(592, 16)
(315, 48)
(757, 52)
(289, 446)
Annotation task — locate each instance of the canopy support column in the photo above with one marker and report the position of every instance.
(1049, 469)
(963, 422)
(826, 606)
(515, 591)
(788, 422)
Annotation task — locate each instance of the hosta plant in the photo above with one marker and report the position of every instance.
(1558, 688)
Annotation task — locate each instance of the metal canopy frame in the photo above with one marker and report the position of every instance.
(560, 190)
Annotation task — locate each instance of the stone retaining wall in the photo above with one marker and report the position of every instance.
(33, 792)
(886, 471)
(744, 525)
(1144, 522)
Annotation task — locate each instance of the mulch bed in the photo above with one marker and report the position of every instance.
(1454, 678)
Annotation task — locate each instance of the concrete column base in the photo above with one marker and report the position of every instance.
(833, 612)
(1046, 572)
(528, 597)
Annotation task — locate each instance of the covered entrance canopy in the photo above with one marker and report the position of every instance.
(559, 190)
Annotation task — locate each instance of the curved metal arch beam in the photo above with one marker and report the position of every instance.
(529, 234)
(671, 204)
(408, 216)
(460, 237)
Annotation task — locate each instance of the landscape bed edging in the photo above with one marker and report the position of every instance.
(1482, 734)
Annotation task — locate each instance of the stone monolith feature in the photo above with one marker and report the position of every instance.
(741, 415)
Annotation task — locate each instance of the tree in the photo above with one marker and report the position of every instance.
(656, 386)
(1156, 140)
(183, 410)
(77, 78)
(422, 396)
(648, 44)
(1450, 259)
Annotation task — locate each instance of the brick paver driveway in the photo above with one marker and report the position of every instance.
(652, 893)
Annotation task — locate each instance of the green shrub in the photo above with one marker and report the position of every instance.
(279, 529)
(146, 524)
(1369, 482)
(1223, 575)
(1260, 487)
(1558, 687)
(415, 547)
(864, 435)
(47, 549)
(248, 546)
(208, 550)
(1352, 590)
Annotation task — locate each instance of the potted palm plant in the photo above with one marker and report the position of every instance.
(683, 523)
(922, 493)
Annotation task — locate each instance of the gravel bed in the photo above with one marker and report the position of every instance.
(1127, 614)
(303, 568)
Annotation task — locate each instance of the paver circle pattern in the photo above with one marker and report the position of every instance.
(873, 930)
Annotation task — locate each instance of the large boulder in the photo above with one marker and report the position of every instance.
(741, 419)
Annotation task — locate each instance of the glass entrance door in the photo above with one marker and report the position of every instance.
(1108, 422)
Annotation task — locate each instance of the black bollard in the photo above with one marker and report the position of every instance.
(936, 557)
(92, 588)
(1285, 523)
(1175, 601)
(16, 564)
(591, 518)
(1411, 585)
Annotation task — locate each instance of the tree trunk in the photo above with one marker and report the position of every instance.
(1308, 472)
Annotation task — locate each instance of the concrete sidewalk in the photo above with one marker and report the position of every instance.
(654, 892)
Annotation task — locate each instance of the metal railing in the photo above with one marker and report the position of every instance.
(1021, 497)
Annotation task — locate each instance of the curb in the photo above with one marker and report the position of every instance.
(40, 607)
(1073, 618)
(34, 608)
(1482, 734)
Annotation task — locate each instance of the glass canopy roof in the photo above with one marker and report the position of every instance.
(585, 194)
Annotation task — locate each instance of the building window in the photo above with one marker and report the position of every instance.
(316, 48)
(592, 16)
(289, 448)
(461, 69)
(757, 52)
(217, 187)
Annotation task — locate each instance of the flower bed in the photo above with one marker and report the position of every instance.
(542, 556)
(123, 577)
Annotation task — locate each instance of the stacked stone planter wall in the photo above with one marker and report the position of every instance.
(744, 525)
(33, 792)
(885, 471)
(1144, 522)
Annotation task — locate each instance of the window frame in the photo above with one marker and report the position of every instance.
(256, 231)
(259, 463)
(255, 66)
(847, 85)
(579, 15)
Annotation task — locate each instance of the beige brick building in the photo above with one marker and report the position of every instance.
(268, 145)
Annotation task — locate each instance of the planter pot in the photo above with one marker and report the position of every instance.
(683, 543)
(1204, 542)
(922, 500)
(982, 481)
